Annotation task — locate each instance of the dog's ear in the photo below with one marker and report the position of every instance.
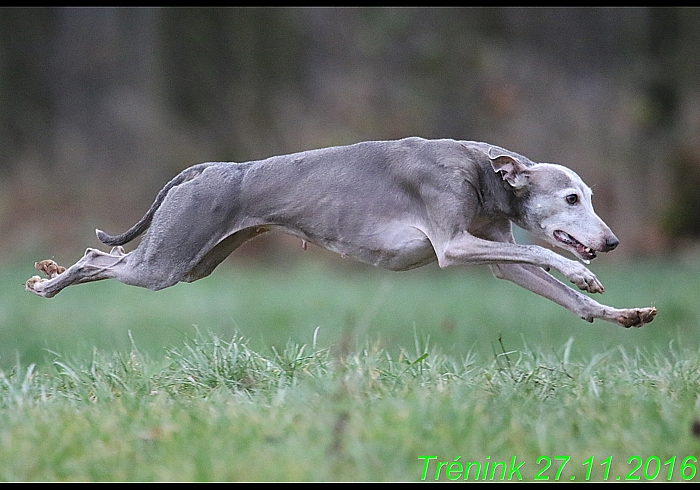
(511, 170)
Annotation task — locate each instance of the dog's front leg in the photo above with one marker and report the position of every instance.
(540, 282)
(467, 249)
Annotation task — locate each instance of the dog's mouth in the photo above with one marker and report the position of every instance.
(586, 253)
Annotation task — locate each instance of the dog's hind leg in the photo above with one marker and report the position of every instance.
(93, 266)
(222, 250)
(133, 268)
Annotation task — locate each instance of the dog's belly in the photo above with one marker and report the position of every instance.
(391, 247)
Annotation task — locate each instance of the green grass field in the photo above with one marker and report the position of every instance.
(313, 372)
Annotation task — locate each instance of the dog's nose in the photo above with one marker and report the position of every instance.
(611, 243)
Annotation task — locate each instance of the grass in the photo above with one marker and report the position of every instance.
(314, 373)
(215, 410)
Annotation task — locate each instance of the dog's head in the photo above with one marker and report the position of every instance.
(554, 204)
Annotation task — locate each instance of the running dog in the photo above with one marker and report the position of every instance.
(393, 204)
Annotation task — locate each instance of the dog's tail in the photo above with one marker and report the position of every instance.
(145, 222)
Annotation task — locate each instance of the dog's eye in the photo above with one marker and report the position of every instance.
(572, 198)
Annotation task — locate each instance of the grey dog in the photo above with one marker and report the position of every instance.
(393, 204)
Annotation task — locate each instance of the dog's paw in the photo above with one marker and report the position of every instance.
(635, 317)
(584, 279)
(38, 286)
(32, 283)
(49, 267)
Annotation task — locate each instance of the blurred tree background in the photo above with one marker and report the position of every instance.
(99, 107)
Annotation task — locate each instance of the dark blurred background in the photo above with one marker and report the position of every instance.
(99, 107)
